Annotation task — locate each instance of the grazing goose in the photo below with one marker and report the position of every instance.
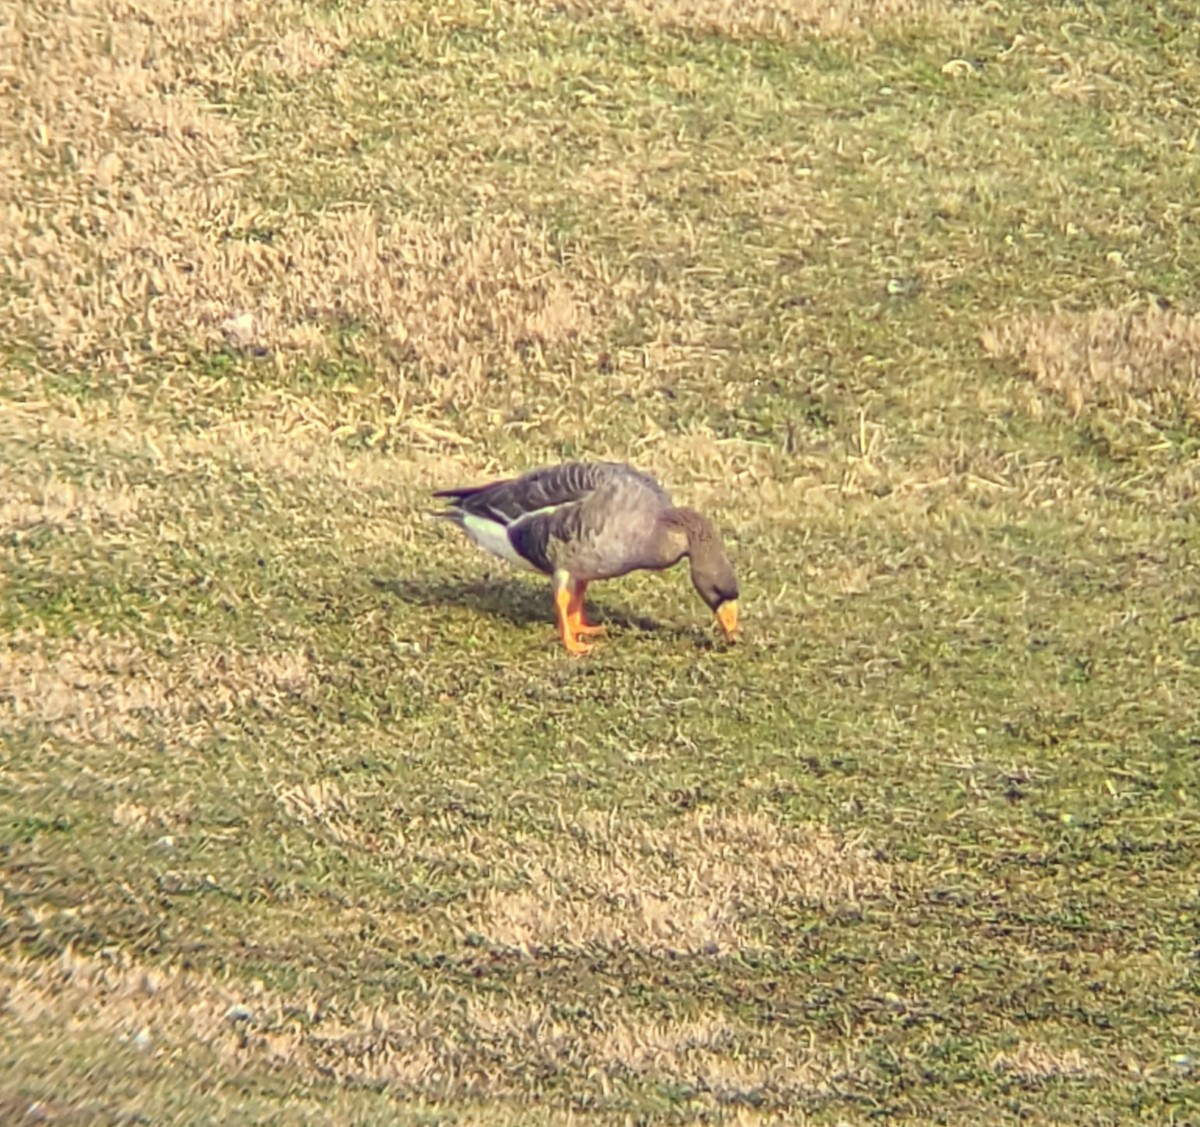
(594, 520)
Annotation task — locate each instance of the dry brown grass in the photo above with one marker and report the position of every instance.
(123, 999)
(454, 303)
(323, 805)
(1137, 373)
(1034, 1062)
(703, 884)
(128, 229)
(47, 501)
(113, 161)
(778, 17)
(695, 886)
(437, 1048)
(274, 432)
(99, 689)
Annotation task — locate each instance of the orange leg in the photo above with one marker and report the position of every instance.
(564, 597)
(575, 611)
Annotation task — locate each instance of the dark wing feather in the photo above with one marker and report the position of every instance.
(509, 501)
(539, 537)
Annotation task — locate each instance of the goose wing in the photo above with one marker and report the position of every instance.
(600, 535)
(540, 491)
(557, 516)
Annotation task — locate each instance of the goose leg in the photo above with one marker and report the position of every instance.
(564, 595)
(575, 610)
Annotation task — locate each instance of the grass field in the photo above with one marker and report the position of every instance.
(305, 815)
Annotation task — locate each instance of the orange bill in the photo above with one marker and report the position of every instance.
(727, 619)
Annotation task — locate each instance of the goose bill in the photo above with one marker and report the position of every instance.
(727, 619)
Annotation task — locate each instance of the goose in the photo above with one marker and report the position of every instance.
(582, 521)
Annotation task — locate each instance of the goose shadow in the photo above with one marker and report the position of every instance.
(520, 603)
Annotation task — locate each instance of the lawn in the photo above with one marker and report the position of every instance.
(306, 817)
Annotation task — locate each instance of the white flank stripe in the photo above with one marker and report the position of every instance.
(492, 536)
